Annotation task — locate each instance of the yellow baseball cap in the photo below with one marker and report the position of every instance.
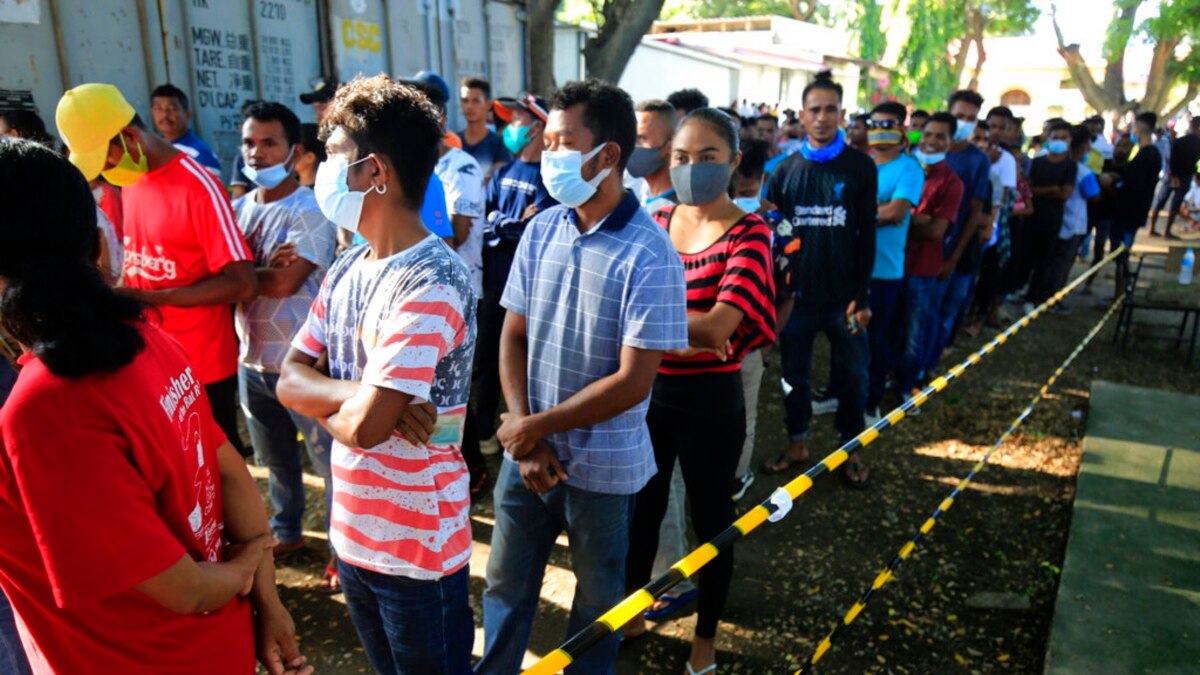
(88, 117)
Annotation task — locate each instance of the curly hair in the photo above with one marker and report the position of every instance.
(391, 119)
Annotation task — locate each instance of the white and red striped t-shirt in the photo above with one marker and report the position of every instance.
(179, 230)
(406, 322)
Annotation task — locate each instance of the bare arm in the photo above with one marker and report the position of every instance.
(368, 417)
(967, 234)
(927, 227)
(783, 312)
(1061, 192)
(601, 400)
(304, 388)
(236, 282)
(283, 282)
(712, 329)
(514, 373)
(190, 587)
(893, 212)
(462, 229)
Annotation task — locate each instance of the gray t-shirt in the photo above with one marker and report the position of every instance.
(265, 326)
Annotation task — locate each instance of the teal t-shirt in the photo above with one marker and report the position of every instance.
(901, 178)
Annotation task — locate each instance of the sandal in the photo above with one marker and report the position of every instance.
(330, 582)
(479, 481)
(782, 464)
(671, 604)
(860, 470)
(710, 668)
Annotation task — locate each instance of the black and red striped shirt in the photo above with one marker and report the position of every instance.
(735, 269)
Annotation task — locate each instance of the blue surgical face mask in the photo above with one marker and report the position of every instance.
(1057, 147)
(748, 204)
(964, 130)
(339, 205)
(516, 138)
(1133, 137)
(562, 173)
(930, 159)
(270, 176)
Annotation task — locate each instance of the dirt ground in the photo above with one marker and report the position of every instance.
(794, 579)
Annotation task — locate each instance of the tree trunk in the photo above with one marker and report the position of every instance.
(1193, 89)
(802, 10)
(980, 57)
(539, 45)
(1122, 27)
(625, 22)
(1159, 84)
(976, 25)
(1096, 96)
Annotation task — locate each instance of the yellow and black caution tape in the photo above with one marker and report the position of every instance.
(886, 574)
(612, 620)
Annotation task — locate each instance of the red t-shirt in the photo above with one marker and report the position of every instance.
(105, 482)
(179, 230)
(940, 199)
(736, 269)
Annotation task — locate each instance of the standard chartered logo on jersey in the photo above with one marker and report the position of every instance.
(814, 216)
(152, 265)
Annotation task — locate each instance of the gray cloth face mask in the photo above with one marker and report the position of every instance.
(700, 183)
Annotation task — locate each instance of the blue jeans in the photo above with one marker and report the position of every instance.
(884, 334)
(921, 300)
(408, 626)
(850, 354)
(12, 653)
(273, 430)
(527, 524)
(954, 293)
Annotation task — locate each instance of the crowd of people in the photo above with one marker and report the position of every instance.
(585, 284)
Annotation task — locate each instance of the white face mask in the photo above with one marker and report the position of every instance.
(270, 177)
(341, 206)
(562, 173)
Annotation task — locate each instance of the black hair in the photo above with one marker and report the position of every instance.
(659, 107)
(1148, 118)
(1057, 125)
(170, 91)
(966, 96)
(395, 120)
(719, 121)
(920, 113)
(860, 117)
(1052, 121)
(688, 100)
(891, 108)
(480, 84)
(823, 80)
(270, 111)
(28, 125)
(310, 140)
(1080, 136)
(754, 158)
(768, 116)
(56, 302)
(247, 105)
(944, 118)
(1000, 111)
(607, 113)
(1096, 119)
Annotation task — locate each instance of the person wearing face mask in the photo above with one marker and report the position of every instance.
(184, 253)
(595, 297)
(901, 181)
(827, 196)
(650, 160)
(515, 195)
(279, 211)
(697, 410)
(383, 361)
(1135, 191)
(964, 250)
(924, 252)
(1102, 211)
(1052, 181)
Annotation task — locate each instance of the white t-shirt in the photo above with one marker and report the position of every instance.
(116, 254)
(462, 179)
(1006, 169)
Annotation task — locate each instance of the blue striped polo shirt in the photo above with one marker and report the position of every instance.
(584, 296)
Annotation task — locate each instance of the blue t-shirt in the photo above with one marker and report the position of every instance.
(769, 168)
(972, 167)
(901, 178)
(488, 152)
(191, 145)
(433, 212)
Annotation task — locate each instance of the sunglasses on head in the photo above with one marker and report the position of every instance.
(882, 124)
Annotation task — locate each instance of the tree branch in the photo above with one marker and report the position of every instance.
(1093, 93)
(625, 22)
(1193, 89)
(802, 10)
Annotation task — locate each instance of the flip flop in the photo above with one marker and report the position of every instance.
(858, 468)
(711, 668)
(674, 604)
(782, 460)
(331, 583)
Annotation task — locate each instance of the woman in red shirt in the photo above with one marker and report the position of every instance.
(135, 540)
(697, 409)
